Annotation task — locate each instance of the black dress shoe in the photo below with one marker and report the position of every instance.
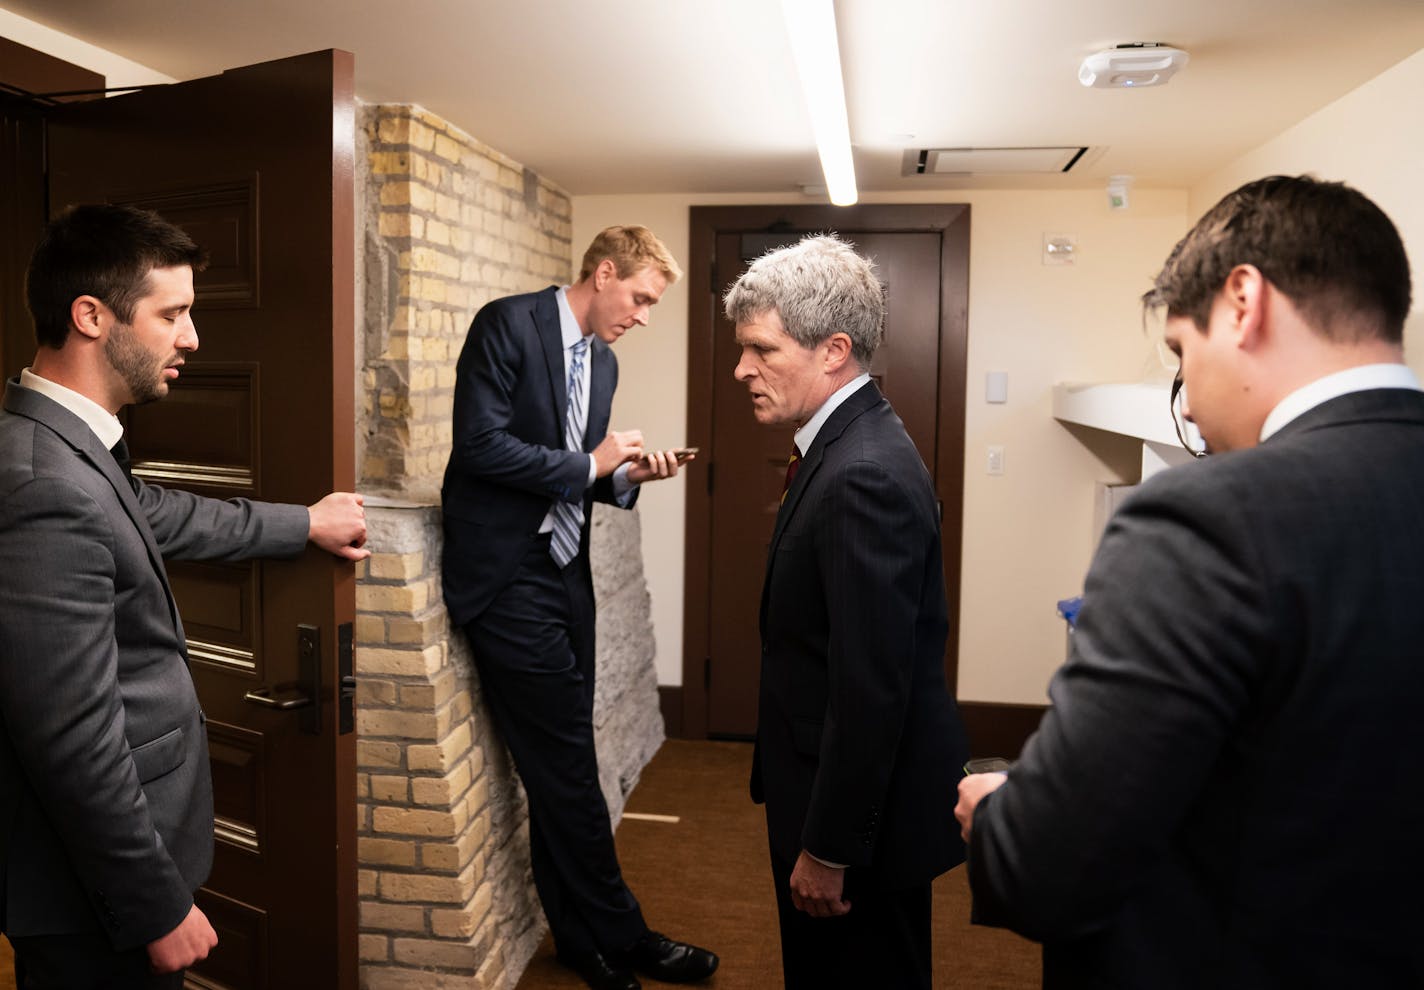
(597, 972)
(660, 957)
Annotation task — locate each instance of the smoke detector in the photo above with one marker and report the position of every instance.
(1131, 66)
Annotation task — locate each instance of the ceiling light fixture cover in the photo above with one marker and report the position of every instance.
(1133, 66)
(811, 27)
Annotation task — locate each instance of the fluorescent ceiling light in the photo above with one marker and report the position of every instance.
(811, 25)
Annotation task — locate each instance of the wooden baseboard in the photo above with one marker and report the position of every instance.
(998, 729)
(670, 701)
(994, 729)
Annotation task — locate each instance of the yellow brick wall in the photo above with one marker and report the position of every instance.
(449, 225)
(457, 224)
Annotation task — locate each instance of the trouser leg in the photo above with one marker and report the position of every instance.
(883, 941)
(533, 649)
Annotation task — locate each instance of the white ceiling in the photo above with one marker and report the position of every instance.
(700, 95)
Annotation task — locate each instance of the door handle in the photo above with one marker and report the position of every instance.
(303, 694)
(289, 699)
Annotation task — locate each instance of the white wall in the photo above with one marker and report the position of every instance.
(1370, 138)
(1027, 533)
(117, 71)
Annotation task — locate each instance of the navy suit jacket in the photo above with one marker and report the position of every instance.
(106, 809)
(508, 463)
(1226, 792)
(859, 745)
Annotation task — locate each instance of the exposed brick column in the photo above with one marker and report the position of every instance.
(446, 896)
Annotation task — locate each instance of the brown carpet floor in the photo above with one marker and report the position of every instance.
(707, 879)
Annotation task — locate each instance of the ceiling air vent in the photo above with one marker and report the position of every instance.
(990, 161)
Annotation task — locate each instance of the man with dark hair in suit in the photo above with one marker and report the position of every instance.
(106, 816)
(858, 741)
(531, 453)
(1225, 792)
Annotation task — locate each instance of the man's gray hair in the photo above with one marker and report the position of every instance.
(818, 287)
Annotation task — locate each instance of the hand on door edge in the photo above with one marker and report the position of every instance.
(338, 525)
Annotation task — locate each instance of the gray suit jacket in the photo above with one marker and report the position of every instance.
(1226, 792)
(105, 794)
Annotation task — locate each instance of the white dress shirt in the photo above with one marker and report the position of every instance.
(106, 425)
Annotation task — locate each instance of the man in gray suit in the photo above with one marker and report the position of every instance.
(1225, 792)
(105, 795)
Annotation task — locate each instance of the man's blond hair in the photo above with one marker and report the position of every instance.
(631, 249)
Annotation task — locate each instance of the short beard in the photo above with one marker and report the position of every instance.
(137, 367)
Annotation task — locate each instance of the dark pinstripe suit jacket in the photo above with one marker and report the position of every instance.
(858, 742)
(1227, 791)
(106, 818)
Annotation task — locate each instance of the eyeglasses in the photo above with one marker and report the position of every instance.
(1178, 419)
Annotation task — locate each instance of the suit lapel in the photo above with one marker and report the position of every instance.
(76, 433)
(856, 405)
(551, 340)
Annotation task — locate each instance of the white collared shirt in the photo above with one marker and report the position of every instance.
(1322, 390)
(106, 425)
(807, 434)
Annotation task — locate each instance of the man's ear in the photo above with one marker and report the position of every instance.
(1247, 292)
(604, 274)
(838, 351)
(86, 314)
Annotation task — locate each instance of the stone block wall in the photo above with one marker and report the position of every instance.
(445, 889)
(450, 225)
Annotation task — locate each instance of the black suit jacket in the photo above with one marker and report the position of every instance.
(106, 814)
(858, 742)
(507, 460)
(1227, 790)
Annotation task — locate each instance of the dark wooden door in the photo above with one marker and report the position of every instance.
(256, 165)
(920, 368)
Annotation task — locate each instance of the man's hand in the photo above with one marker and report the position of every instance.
(615, 448)
(971, 791)
(338, 525)
(190, 942)
(655, 465)
(816, 888)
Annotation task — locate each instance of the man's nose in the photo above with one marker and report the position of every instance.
(641, 317)
(188, 340)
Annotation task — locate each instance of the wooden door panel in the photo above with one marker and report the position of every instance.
(221, 609)
(255, 165)
(907, 362)
(221, 215)
(203, 436)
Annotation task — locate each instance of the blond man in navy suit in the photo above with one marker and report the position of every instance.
(531, 453)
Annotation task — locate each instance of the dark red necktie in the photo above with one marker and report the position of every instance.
(791, 465)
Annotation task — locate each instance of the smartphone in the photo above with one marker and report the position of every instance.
(987, 764)
(683, 454)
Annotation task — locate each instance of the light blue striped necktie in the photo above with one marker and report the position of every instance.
(568, 516)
